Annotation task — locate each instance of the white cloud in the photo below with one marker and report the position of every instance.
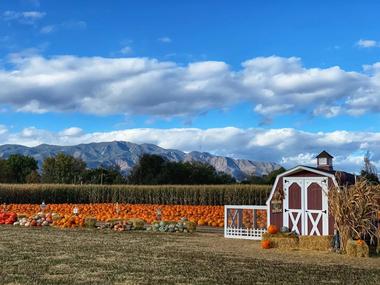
(3, 130)
(165, 40)
(27, 17)
(74, 25)
(367, 43)
(48, 29)
(278, 145)
(327, 111)
(126, 50)
(68, 25)
(32, 107)
(272, 85)
(71, 132)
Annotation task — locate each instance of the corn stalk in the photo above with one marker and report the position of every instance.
(135, 194)
(355, 209)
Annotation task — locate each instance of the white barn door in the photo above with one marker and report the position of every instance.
(306, 205)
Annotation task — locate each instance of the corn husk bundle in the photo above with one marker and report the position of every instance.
(355, 209)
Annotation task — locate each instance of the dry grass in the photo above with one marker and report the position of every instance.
(355, 209)
(51, 256)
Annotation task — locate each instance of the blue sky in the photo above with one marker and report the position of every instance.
(290, 77)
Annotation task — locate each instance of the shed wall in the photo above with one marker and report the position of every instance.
(277, 218)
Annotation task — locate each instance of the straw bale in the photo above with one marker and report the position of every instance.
(282, 240)
(315, 242)
(137, 224)
(357, 250)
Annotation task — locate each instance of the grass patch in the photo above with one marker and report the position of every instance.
(88, 256)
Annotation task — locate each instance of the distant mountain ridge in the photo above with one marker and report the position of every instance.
(126, 155)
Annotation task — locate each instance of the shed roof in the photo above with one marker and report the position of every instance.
(324, 154)
(342, 177)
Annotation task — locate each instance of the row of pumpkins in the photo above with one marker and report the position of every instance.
(48, 219)
(40, 219)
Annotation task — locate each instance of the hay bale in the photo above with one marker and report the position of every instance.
(282, 240)
(90, 222)
(315, 242)
(190, 226)
(21, 216)
(137, 224)
(356, 249)
(362, 250)
(351, 248)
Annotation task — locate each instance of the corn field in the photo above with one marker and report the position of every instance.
(135, 194)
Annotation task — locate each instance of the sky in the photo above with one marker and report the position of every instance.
(275, 81)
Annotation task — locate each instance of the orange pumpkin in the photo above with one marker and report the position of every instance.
(202, 215)
(360, 242)
(272, 229)
(265, 244)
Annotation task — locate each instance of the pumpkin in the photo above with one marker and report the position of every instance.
(265, 244)
(202, 215)
(272, 229)
(360, 242)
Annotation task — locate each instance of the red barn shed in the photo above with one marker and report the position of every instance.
(299, 200)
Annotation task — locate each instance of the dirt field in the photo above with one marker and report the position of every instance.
(52, 256)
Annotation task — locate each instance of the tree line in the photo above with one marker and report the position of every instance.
(62, 168)
(66, 169)
(150, 170)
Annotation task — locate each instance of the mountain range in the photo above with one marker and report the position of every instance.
(126, 155)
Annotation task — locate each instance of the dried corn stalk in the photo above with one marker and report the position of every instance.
(355, 209)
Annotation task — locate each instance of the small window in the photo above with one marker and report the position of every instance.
(323, 160)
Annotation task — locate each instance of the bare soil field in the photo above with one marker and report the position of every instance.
(89, 256)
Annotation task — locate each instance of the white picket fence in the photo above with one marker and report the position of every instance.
(233, 230)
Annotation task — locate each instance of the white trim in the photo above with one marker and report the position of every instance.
(238, 233)
(231, 231)
(295, 169)
(288, 181)
(304, 214)
(290, 171)
(246, 207)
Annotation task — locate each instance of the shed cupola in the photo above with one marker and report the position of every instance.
(325, 161)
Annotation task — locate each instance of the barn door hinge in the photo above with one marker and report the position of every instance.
(324, 211)
(286, 210)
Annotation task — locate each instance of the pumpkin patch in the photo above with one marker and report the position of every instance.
(200, 215)
(8, 218)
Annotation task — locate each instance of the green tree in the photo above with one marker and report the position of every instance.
(63, 168)
(33, 177)
(147, 171)
(48, 170)
(104, 175)
(4, 171)
(266, 179)
(20, 167)
(153, 169)
(271, 177)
